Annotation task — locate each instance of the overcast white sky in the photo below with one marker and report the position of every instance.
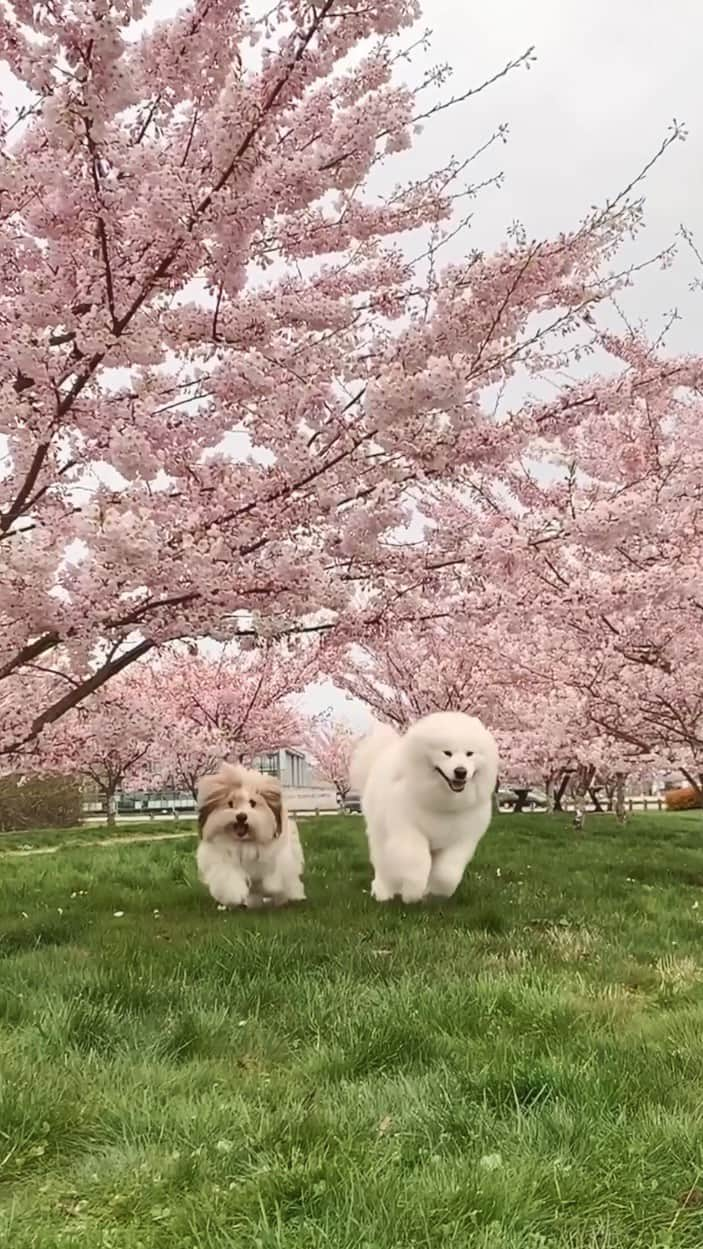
(609, 78)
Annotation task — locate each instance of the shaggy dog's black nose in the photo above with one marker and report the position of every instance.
(460, 774)
(241, 826)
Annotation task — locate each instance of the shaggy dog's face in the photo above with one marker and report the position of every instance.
(239, 804)
(455, 747)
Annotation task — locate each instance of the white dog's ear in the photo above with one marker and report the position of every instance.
(270, 789)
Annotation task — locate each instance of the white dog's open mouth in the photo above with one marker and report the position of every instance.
(456, 787)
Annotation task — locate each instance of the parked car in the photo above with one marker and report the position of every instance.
(351, 803)
(522, 798)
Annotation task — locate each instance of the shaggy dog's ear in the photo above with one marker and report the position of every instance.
(208, 796)
(270, 789)
(208, 788)
(204, 813)
(213, 789)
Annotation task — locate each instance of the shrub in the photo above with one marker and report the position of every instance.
(39, 802)
(687, 799)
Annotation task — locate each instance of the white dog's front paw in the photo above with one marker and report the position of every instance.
(254, 901)
(412, 893)
(442, 888)
(380, 891)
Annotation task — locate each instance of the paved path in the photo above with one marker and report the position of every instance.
(105, 841)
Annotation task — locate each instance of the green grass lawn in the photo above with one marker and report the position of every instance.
(521, 1068)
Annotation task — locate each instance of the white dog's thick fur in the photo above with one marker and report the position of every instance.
(427, 800)
(249, 847)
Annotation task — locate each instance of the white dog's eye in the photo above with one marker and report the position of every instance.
(251, 802)
(230, 803)
(448, 753)
(469, 754)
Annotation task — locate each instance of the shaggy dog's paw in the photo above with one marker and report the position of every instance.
(254, 902)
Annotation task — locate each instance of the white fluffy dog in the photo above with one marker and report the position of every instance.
(249, 847)
(427, 801)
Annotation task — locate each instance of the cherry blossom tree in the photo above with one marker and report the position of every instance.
(330, 746)
(233, 707)
(111, 740)
(168, 723)
(591, 544)
(555, 740)
(531, 681)
(404, 673)
(225, 373)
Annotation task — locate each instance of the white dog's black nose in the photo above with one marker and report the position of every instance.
(240, 824)
(460, 774)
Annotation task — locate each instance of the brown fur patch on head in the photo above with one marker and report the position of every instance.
(204, 814)
(214, 790)
(269, 787)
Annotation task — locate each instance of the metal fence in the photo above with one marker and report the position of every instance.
(641, 802)
(303, 800)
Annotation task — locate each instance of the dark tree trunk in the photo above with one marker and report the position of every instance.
(695, 784)
(582, 781)
(593, 794)
(549, 792)
(579, 812)
(620, 805)
(560, 791)
(521, 796)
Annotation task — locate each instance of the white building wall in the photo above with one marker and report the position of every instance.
(289, 765)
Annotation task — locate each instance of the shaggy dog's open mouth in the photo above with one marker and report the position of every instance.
(457, 787)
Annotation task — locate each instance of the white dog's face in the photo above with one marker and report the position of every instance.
(457, 749)
(238, 803)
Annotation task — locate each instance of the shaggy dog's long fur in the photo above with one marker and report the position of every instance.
(427, 801)
(249, 848)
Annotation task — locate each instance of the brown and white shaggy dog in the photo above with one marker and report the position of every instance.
(249, 848)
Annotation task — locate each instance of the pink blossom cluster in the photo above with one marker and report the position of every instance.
(330, 745)
(228, 374)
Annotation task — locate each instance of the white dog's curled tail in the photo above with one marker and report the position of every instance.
(379, 740)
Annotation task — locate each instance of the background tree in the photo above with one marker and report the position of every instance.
(111, 740)
(232, 707)
(330, 746)
(224, 381)
(404, 673)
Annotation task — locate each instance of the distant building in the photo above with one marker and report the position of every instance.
(289, 765)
